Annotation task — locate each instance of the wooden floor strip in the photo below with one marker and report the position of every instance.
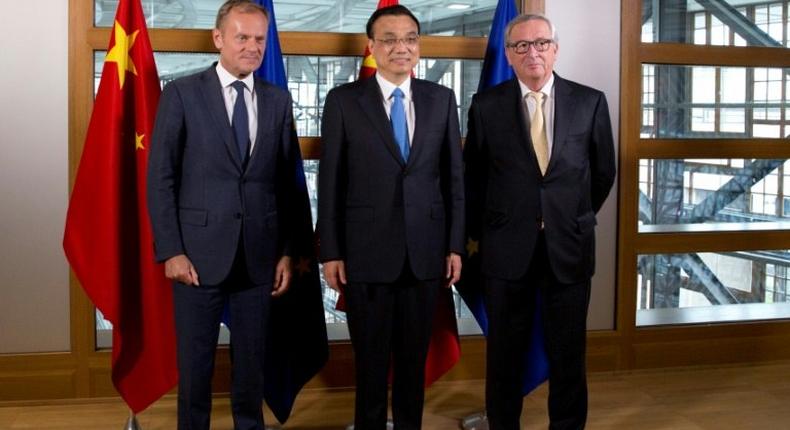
(700, 398)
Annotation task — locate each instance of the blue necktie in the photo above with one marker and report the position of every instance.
(241, 127)
(399, 126)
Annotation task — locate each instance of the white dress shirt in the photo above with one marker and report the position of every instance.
(229, 95)
(387, 88)
(548, 108)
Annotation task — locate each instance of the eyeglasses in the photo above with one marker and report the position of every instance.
(522, 46)
(409, 42)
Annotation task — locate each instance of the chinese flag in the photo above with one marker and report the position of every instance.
(445, 347)
(108, 239)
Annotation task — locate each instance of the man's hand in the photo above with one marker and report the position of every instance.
(282, 276)
(335, 274)
(453, 269)
(180, 269)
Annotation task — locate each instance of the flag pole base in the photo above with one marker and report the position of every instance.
(478, 421)
(131, 423)
(390, 425)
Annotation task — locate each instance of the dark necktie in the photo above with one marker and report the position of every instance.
(241, 124)
(399, 126)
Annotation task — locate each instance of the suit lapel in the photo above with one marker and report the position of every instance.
(372, 104)
(564, 106)
(265, 122)
(423, 106)
(522, 124)
(215, 104)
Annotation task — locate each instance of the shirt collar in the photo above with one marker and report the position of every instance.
(546, 89)
(388, 87)
(226, 78)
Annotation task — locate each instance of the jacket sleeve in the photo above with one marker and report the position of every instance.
(332, 181)
(288, 178)
(475, 174)
(164, 174)
(453, 180)
(602, 157)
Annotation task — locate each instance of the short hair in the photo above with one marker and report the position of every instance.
(394, 10)
(524, 17)
(242, 6)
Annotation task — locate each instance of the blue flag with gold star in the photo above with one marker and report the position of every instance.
(297, 346)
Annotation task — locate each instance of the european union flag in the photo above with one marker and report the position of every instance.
(495, 66)
(297, 346)
(495, 71)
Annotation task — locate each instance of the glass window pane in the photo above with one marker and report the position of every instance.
(715, 102)
(311, 77)
(437, 17)
(712, 195)
(704, 287)
(707, 23)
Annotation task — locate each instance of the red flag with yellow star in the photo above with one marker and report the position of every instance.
(108, 239)
(369, 67)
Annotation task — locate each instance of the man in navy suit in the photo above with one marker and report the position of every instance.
(390, 215)
(219, 178)
(539, 164)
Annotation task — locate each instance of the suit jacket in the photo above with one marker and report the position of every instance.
(508, 198)
(201, 200)
(374, 209)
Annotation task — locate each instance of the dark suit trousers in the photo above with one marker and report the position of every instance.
(198, 311)
(510, 305)
(390, 321)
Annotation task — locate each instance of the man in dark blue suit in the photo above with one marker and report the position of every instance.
(219, 178)
(390, 215)
(539, 164)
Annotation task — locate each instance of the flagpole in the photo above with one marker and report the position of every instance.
(477, 421)
(390, 425)
(131, 423)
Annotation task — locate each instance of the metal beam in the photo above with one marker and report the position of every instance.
(753, 172)
(740, 24)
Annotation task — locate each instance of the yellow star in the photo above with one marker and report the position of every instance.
(369, 61)
(303, 266)
(472, 247)
(119, 53)
(138, 141)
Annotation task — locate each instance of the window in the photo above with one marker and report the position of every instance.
(704, 212)
(437, 17)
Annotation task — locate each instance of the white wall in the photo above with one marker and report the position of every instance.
(34, 283)
(589, 53)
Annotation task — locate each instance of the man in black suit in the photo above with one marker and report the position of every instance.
(390, 215)
(539, 164)
(220, 177)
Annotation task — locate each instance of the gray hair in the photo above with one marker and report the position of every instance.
(524, 17)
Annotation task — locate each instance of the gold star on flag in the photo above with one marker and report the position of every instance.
(119, 53)
(472, 247)
(369, 61)
(138, 141)
(303, 266)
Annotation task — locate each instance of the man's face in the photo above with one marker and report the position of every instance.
(533, 68)
(395, 46)
(241, 41)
